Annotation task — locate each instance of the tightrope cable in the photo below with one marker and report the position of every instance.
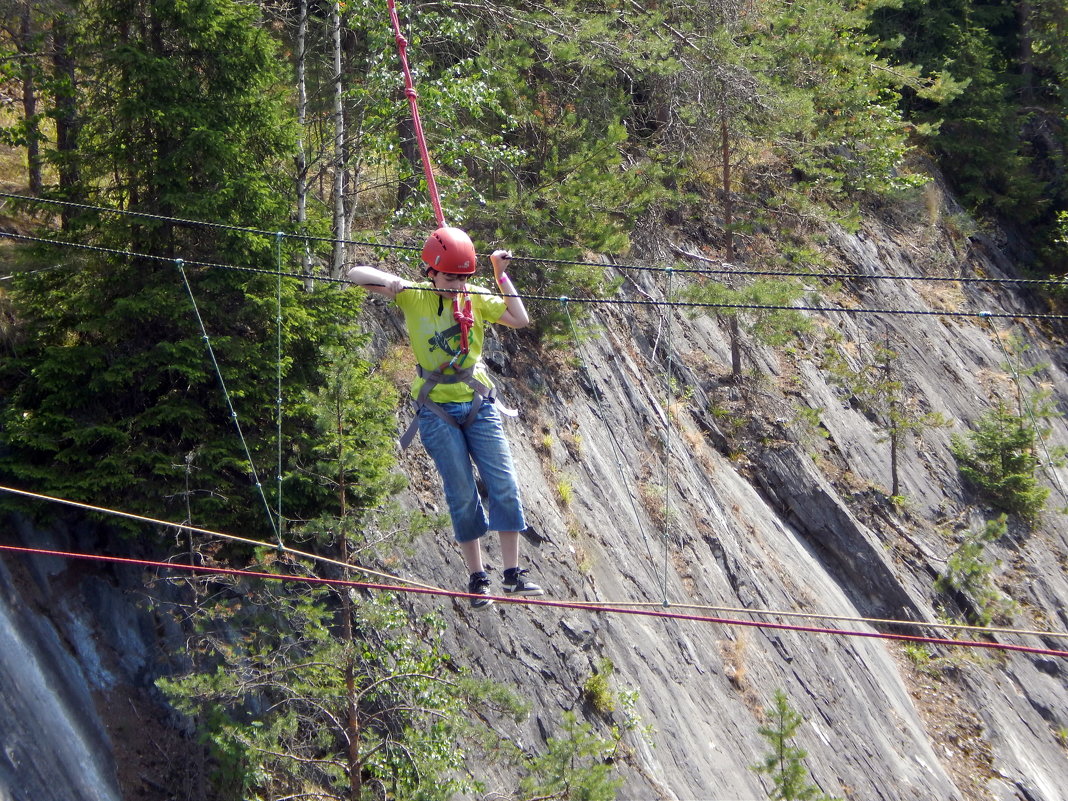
(278, 396)
(532, 602)
(668, 424)
(726, 268)
(242, 229)
(222, 535)
(583, 604)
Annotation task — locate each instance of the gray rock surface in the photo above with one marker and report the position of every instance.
(53, 746)
(794, 522)
(706, 498)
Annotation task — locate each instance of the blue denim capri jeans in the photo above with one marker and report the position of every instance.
(454, 450)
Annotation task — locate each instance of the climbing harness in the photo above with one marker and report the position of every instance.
(431, 378)
(465, 318)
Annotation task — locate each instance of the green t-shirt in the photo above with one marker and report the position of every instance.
(435, 335)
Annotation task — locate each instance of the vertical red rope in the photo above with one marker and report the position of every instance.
(409, 90)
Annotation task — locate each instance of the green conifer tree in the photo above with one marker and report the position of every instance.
(116, 399)
(1002, 142)
(575, 766)
(999, 458)
(968, 572)
(784, 762)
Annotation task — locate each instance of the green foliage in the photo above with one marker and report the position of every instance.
(565, 488)
(1002, 141)
(835, 101)
(772, 326)
(874, 385)
(925, 660)
(564, 77)
(919, 654)
(999, 459)
(969, 573)
(115, 399)
(191, 124)
(596, 690)
(279, 706)
(579, 764)
(343, 466)
(278, 695)
(575, 766)
(783, 763)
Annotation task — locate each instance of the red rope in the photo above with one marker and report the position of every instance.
(461, 312)
(409, 90)
(224, 571)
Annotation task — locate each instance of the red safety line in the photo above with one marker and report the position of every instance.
(224, 571)
(409, 90)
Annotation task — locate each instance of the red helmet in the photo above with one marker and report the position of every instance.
(450, 250)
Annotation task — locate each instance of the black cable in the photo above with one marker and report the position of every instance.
(727, 269)
(200, 223)
(560, 298)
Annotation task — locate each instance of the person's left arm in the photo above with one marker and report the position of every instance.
(515, 313)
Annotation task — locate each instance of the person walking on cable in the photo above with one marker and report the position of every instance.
(457, 415)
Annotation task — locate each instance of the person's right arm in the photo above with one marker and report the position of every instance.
(377, 281)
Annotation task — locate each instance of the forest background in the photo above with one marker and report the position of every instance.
(558, 129)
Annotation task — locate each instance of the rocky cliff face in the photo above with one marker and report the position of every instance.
(705, 497)
(715, 498)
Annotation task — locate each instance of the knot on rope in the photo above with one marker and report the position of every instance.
(411, 93)
(401, 41)
(461, 312)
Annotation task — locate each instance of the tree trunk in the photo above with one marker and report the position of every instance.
(29, 100)
(302, 121)
(1026, 55)
(339, 227)
(728, 228)
(409, 160)
(894, 423)
(352, 721)
(63, 68)
(348, 198)
(352, 711)
(894, 483)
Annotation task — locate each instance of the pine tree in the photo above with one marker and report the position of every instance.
(575, 765)
(968, 572)
(784, 762)
(274, 708)
(999, 459)
(1002, 142)
(117, 397)
(876, 387)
